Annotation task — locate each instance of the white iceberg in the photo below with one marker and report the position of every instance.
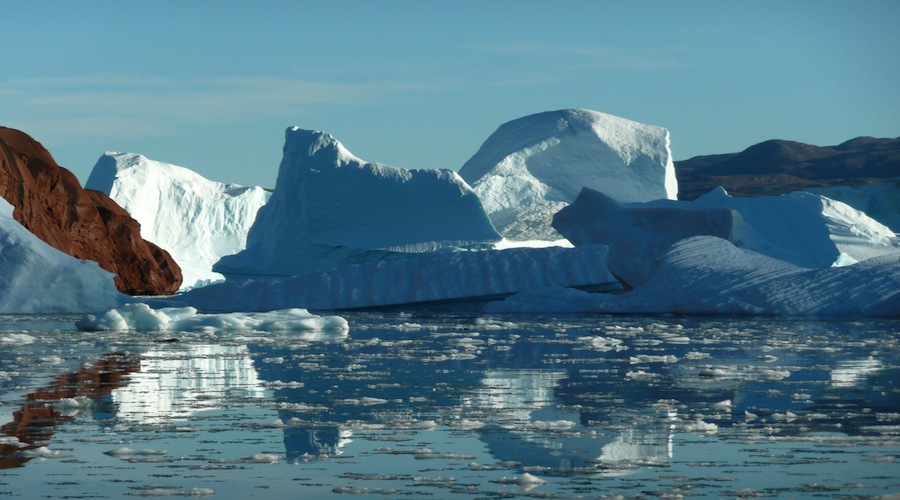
(141, 317)
(430, 277)
(331, 209)
(803, 229)
(709, 275)
(533, 166)
(880, 201)
(37, 278)
(198, 221)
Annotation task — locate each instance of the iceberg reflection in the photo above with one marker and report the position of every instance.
(851, 373)
(175, 382)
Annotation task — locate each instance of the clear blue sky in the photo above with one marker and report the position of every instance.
(421, 84)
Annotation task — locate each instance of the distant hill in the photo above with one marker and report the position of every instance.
(778, 166)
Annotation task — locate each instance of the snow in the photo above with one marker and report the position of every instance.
(803, 229)
(330, 209)
(198, 221)
(709, 275)
(429, 277)
(141, 317)
(880, 201)
(531, 167)
(37, 278)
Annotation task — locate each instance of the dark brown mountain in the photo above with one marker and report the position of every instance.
(50, 202)
(777, 167)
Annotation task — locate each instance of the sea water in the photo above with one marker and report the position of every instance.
(454, 405)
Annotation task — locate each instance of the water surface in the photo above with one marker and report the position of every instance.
(454, 406)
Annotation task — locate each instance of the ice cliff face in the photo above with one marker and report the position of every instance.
(330, 209)
(197, 220)
(533, 166)
(37, 278)
(50, 202)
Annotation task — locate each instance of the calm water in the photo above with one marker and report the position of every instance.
(455, 406)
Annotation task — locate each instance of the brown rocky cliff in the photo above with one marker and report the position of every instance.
(50, 202)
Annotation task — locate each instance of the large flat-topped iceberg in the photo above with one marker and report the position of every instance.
(197, 220)
(429, 277)
(37, 278)
(802, 229)
(709, 275)
(330, 209)
(531, 167)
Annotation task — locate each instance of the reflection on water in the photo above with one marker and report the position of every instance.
(33, 425)
(854, 372)
(579, 399)
(175, 382)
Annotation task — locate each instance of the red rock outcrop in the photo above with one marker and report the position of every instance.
(50, 202)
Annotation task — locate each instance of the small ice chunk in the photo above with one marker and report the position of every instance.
(141, 317)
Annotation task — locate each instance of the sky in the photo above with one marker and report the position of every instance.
(212, 85)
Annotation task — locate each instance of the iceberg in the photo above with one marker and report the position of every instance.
(427, 278)
(37, 278)
(533, 166)
(331, 209)
(880, 201)
(709, 275)
(802, 229)
(197, 220)
(141, 317)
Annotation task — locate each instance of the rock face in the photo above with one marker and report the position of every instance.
(778, 167)
(88, 225)
(533, 166)
(196, 219)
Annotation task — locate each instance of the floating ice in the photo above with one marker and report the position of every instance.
(141, 317)
(331, 209)
(708, 275)
(526, 480)
(881, 200)
(800, 228)
(430, 277)
(198, 221)
(532, 166)
(261, 458)
(17, 339)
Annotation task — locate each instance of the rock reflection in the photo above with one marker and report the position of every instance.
(33, 425)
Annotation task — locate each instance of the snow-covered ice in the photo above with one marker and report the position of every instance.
(429, 277)
(709, 275)
(799, 228)
(532, 166)
(880, 201)
(331, 209)
(37, 278)
(198, 221)
(141, 317)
